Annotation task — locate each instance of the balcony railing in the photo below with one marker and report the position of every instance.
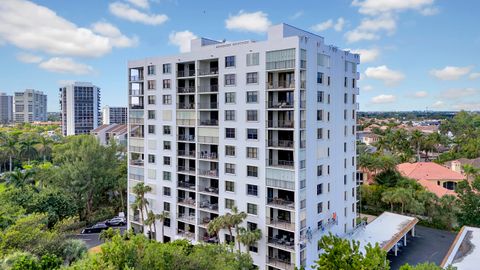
(208, 139)
(184, 153)
(207, 88)
(186, 218)
(186, 106)
(136, 107)
(187, 185)
(208, 155)
(209, 206)
(282, 224)
(285, 64)
(281, 84)
(188, 201)
(213, 190)
(208, 173)
(186, 122)
(186, 137)
(208, 105)
(136, 162)
(281, 163)
(186, 90)
(280, 124)
(186, 73)
(207, 71)
(136, 78)
(186, 234)
(208, 122)
(281, 202)
(136, 92)
(280, 143)
(282, 242)
(186, 169)
(280, 263)
(280, 105)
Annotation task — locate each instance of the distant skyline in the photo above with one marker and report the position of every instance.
(416, 54)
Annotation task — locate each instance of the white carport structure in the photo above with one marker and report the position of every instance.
(464, 253)
(387, 230)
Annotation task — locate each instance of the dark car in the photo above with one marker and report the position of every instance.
(116, 221)
(95, 228)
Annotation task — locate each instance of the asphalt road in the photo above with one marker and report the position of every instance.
(428, 245)
(92, 239)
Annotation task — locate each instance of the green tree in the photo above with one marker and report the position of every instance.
(141, 202)
(45, 147)
(425, 266)
(468, 193)
(248, 237)
(20, 179)
(28, 150)
(9, 148)
(162, 217)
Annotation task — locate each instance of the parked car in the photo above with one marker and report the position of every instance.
(95, 228)
(116, 221)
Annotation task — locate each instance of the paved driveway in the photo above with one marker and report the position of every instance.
(92, 239)
(428, 245)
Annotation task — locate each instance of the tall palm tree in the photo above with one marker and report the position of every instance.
(27, 149)
(162, 217)
(215, 225)
(45, 147)
(151, 220)
(140, 190)
(416, 139)
(248, 237)
(10, 149)
(232, 220)
(402, 196)
(388, 197)
(20, 178)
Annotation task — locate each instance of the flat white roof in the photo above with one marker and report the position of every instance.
(464, 253)
(386, 230)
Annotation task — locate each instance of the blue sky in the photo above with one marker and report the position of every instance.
(416, 54)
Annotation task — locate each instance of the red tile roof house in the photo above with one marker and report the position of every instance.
(434, 177)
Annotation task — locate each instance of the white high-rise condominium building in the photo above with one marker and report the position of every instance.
(266, 126)
(29, 106)
(6, 108)
(114, 115)
(80, 108)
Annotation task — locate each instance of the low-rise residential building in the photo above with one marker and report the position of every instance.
(105, 133)
(457, 165)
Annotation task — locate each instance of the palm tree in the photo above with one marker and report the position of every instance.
(215, 225)
(232, 220)
(248, 237)
(151, 220)
(9, 147)
(27, 149)
(162, 217)
(388, 197)
(140, 190)
(20, 178)
(471, 172)
(402, 196)
(417, 139)
(45, 147)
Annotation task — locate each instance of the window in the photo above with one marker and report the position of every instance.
(229, 115)
(252, 152)
(319, 170)
(151, 114)
(345, 98)
(167, 68)
(166, 160)
(230, 133)
(167, 145)
(345, 82)
(345, 147)
(229, 150)
(230, 97)
(252, 77)
(167, 191)
(229, 79)
(319, 77)
(320, 95)
(252, 190)
(319, 115)
(319, 207)
(323, 60)
(229, 61)
(319, 189)
(151, 158)
(251, 226)
(252, 115)
(167, 130)
(319, 133)
(230, 186)
(229, 204)
(167, 99)
(151, 70)
(328, 80)
(252, 209)
(166, 206)
(253, 59)
(151, 84)
(151, 129)
(167, 176)
(252, 96)
(252, 171)
(166, 84)
(151, 100)
(230, 168)
(353, 83)
(253, 248)
(252, 134)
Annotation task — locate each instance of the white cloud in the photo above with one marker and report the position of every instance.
(459, 93)
(438, 104)
(370, 28)
(129, 13)
(468, 106)
(114, 35)
(383, 73)
(366, 55)
(366, 88)
(33, 27)
(420, 94)
(450, 73)
(29, 58)
(140, 3)
(429, 11)
(65, 65)
(250, 22)
(382, 99)
(297, 15)
(182, 39)
(474, 75)
(322, 26)
(339, 25)
(376, 7)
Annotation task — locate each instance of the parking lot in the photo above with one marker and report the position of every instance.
(92, 239)
(428, 245)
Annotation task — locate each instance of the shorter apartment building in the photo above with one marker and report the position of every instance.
(6, 108)
(114, 115)
(30, 106)
(105, 133)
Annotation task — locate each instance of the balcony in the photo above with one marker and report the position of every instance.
(280, 124)
(208, 122)
(136, 162)
(136, 92)
(208, 71)
(282, 224)
(186, 137)
(186, 234)
(281, 203)
(208, 189)
(280, 263)
(186, 106)
(285, 64)
(185, 169)
(280, 105)
(186, 73)
(286, 164)
(184, 217)
(208, 139)
(283, 242)
(135, 78)
(186, 122)
(281, 143)
(185, 153)
(208, 155)
(208, 105)
(281, 85)
(186, 90)
(207, 88)
(186, 185)
(136, 106)
(208, 173)
(206, 205)
(187, 201)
